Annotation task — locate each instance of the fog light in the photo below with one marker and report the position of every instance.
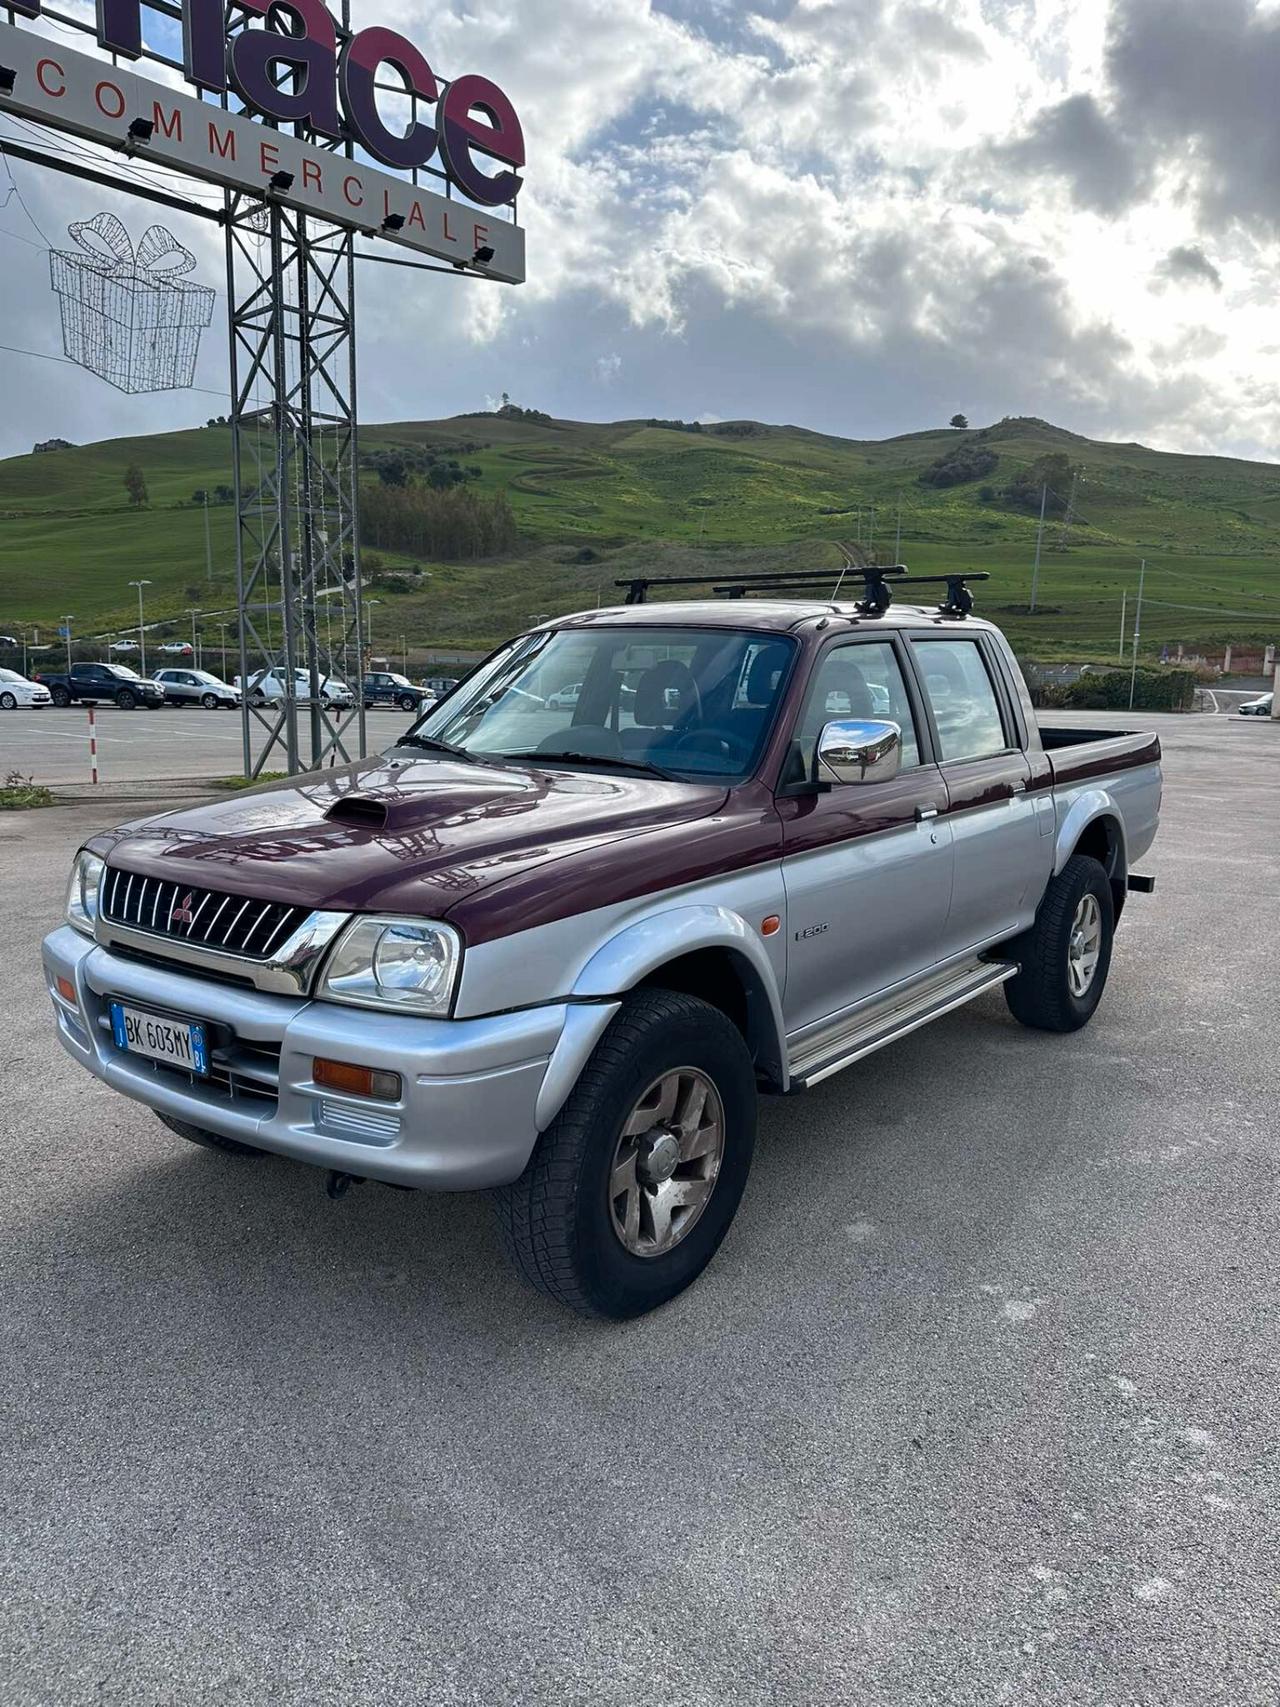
(356, 1081)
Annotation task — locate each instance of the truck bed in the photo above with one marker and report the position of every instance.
(1076, 754)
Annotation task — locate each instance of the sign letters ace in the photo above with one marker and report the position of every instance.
(300, 78)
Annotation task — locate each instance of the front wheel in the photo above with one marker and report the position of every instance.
(61, 697)
(408, 702)
(209, 701)
(1066, 954)
(634, 1184)
(8, 702)
(127, 700)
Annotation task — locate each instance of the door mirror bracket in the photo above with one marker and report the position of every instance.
(858, 750)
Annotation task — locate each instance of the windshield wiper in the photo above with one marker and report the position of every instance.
(430, 744)
(598, 761)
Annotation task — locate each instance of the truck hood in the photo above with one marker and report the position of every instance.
(413, 835)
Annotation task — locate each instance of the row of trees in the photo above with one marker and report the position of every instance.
(453, 522)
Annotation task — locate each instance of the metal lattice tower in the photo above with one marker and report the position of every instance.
(291, 298)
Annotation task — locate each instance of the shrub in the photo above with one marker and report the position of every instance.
(969, 461)
(1153, 690)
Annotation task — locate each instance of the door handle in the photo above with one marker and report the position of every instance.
(924, 813)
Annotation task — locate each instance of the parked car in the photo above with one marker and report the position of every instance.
(176, 649)
(564, 699)
(10, 642)
(196, 687)
(386, 687)
(16, 690)
(440, 685)
(89, 684)
(266, 687)
(123, 647)
(1260, 707)
(557, 954)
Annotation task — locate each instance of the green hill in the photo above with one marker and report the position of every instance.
(597, 501)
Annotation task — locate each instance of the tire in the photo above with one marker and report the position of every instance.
(560, 1224)
(208, 1140)
(1042, 994)
(407, 702)
(8, 702)
(127, 700)
(60, 696)
(209, 701)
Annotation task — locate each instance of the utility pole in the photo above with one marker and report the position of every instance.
(195, 644)
(66, 625)
(1137, 630)
(1035, 573)
(142, 633)
(897, 548)
(208, 549)
(1124, 603)
(1065, 537)
(871, 537)
(222, 629)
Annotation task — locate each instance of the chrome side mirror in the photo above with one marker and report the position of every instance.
(859, 750)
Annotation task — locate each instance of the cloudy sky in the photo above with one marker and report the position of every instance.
(855, 215)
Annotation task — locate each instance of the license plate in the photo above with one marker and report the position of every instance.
(176, 1042)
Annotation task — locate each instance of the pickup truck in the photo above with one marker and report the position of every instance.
(90, 683)
(555, 944)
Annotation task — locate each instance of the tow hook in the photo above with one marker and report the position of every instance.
(338, 1185)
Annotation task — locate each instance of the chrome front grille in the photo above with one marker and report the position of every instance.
(206, 918)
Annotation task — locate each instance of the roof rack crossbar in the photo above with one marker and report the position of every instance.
(878, 579)
(761, 580)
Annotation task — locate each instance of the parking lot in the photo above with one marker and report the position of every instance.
(976, 1405)
(52, 745)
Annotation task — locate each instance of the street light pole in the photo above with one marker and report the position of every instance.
(1137, 630)
(66, 623)
(222, 628)
(1035, 573)
(142, 633)
(195, 644)
(1124, 606)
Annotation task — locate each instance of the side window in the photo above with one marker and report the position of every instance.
(962, 698)
(861, 680)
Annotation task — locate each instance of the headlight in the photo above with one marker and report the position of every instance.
(394, 963)
(82, 892)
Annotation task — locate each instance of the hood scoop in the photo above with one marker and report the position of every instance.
(359, 809)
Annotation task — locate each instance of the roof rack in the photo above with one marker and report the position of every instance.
(879, 581)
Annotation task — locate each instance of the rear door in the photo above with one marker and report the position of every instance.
(866, 866)
(1001, 858)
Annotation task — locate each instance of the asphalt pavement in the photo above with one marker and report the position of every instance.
(976, 1405)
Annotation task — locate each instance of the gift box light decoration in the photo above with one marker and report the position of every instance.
(134, 319)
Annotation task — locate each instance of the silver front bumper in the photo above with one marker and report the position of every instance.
(475, 1093)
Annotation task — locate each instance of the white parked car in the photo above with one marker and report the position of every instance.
(266, 687)
(176, 649)
(16, 690)
(1260, 707)
(123, 646)
(196, 687)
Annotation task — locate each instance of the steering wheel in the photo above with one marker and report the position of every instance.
(731, 747)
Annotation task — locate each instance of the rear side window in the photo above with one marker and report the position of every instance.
(963, 699)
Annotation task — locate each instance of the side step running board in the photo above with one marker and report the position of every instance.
(868, 1032)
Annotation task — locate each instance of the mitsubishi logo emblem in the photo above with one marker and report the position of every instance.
(182, 914)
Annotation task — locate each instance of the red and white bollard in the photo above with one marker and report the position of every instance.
(93, 744)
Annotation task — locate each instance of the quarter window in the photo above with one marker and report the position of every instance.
(962, 698)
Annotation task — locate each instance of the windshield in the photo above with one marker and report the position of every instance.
(690, 702)
(124, 671)
(11, 676)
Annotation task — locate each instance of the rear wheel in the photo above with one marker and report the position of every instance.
(633, 1186)
(208, 1140)
(127, 700)
(8, 702)
(1066, 954)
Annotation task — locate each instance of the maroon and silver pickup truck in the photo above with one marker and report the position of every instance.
(642, 864)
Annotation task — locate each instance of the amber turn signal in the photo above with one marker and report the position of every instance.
(356, 1081)
(66, 989)
(770, 926)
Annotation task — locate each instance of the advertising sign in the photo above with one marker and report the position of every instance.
(329, 92)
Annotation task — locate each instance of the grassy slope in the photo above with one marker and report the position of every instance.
(642, 497)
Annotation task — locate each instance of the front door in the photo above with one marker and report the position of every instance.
(866, 866)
